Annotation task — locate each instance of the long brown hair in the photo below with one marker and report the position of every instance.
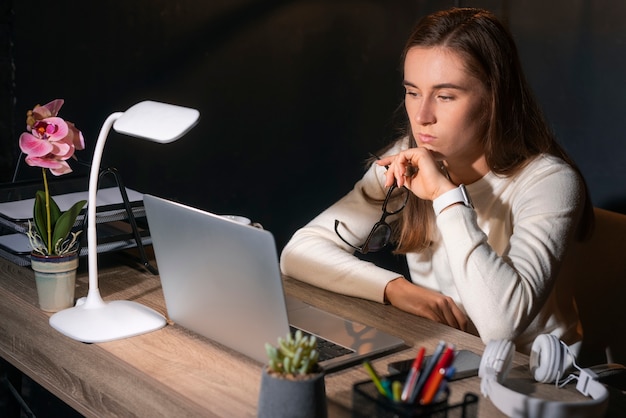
(515, 130)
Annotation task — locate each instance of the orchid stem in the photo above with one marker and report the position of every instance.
(48, 229)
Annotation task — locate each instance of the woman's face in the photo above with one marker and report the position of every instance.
(445, 105)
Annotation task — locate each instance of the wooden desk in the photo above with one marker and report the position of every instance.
(173, 372)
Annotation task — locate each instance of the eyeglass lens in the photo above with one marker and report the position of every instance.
(379, 237)
(380, 234)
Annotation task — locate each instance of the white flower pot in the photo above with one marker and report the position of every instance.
(55, 277)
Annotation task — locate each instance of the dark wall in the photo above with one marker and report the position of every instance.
(292, 94)
(575, 56)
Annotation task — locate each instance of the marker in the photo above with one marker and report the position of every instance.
(444, 385)
(437, 375)
(370, 370)
(386, 384)
(396, 389)
(414, 373)
(428, 368)
(431, 388)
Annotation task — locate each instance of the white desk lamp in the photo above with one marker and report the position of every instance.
(93, 320)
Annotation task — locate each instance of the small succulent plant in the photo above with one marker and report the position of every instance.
(296, 354)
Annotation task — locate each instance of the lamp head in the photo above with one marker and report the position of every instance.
(155, 121)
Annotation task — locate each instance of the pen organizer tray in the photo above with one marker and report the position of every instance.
(368, 402)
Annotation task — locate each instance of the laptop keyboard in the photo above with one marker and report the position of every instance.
(327, 349)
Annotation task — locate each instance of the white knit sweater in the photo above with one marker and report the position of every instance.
(499, 261)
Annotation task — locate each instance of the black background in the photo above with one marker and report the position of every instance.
(292, 94)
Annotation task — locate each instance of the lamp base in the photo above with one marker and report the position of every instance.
(111, 321)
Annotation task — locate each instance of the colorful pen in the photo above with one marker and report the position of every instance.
(434, 380)
(386, 384)
(396, 389)
(432, 386)
(425, 373)
(414, 373)
(370, 370)
(443, 386)
(450, 371)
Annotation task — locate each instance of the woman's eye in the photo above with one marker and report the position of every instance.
(411, 93)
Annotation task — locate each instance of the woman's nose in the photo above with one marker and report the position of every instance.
(425, 113)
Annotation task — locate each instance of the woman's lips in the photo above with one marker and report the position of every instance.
(425, 138)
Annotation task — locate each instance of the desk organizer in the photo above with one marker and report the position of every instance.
(368, 402)
(114, 230)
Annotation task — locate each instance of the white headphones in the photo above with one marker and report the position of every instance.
(549, 360)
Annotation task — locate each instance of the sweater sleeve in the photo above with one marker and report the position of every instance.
(503, 293)
(316, 255)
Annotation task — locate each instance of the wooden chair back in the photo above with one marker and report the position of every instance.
(597, 270)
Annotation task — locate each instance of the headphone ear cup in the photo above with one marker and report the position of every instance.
(547, 358)
(497, 360)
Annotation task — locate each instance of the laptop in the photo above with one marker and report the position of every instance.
(221, 279)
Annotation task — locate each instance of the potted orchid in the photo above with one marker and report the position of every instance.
(48, 143)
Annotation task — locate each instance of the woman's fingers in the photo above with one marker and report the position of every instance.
(399, 167)
(453, 316)
(388, 162)
(425, 303)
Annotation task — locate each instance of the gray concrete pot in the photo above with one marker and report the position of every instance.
(302, 397)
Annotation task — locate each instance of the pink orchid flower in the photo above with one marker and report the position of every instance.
(50, 140)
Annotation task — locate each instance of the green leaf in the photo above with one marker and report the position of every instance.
(305, 366)
(39, 214)
(55, 213)
(66, 221)
(272, 352)
(297, 357)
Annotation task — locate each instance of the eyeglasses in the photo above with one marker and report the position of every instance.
(380, 234)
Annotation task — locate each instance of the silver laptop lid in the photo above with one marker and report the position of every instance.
(222, 280)
(228, 290)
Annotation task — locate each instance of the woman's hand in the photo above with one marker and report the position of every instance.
(418, 171)
(425, 303)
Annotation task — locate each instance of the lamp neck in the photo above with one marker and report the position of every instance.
(92, 239)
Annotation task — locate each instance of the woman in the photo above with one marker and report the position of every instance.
(492, 200)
